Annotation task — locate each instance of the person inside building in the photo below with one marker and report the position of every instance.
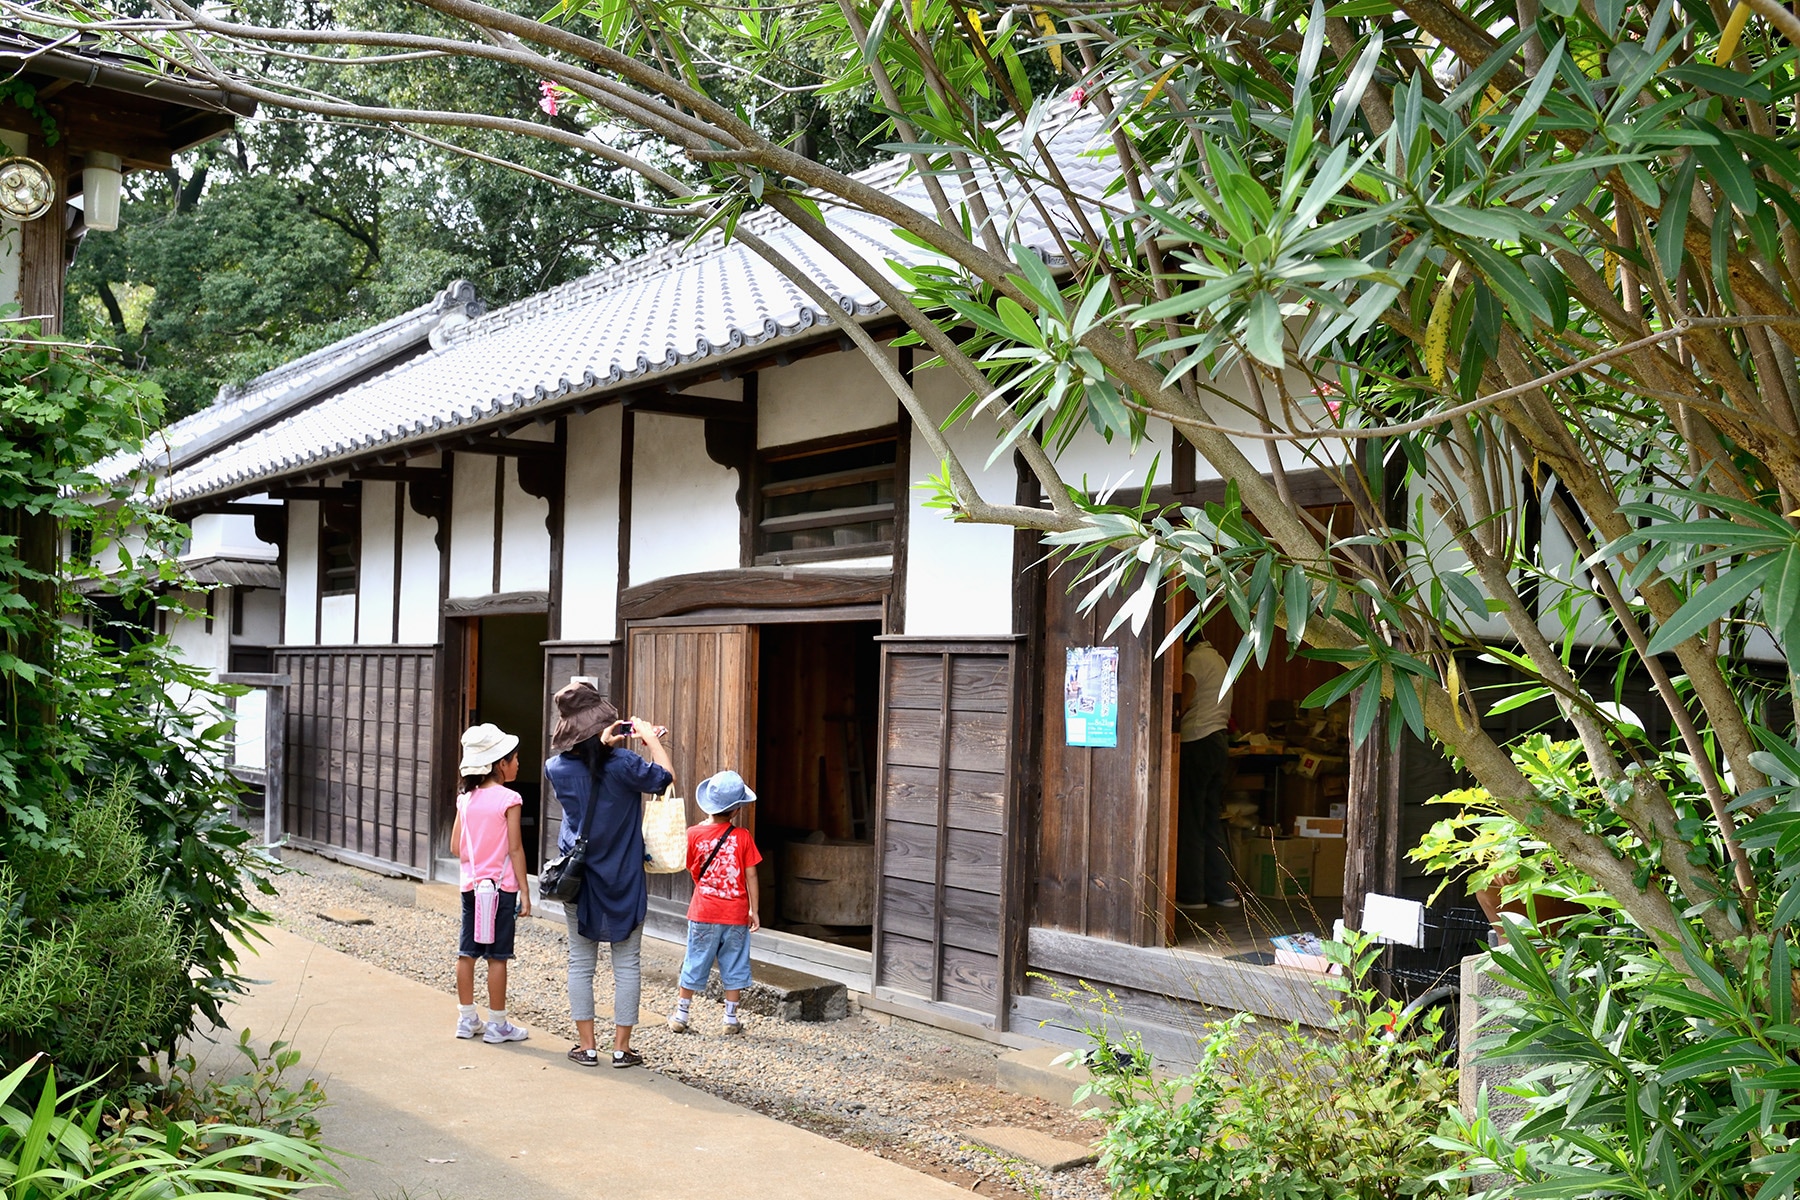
(1202, 865)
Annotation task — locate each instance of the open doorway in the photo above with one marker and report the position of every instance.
(505, 687)
(818, 711)
(1284, 794)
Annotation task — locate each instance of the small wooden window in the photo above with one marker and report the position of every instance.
(339, 526)
(820, 503)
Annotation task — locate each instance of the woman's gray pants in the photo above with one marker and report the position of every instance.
(627, 972)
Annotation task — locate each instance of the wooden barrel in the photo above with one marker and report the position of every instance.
(828, 883)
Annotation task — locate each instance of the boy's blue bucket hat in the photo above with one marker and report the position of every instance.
(722, 793)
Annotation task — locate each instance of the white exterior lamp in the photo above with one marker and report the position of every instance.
(101, 177)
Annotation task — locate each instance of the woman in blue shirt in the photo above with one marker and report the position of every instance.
(601, 786)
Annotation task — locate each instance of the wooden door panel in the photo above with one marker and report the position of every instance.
(1100, 852)
(700, 681)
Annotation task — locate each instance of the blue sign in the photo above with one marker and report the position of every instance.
(1091, 696)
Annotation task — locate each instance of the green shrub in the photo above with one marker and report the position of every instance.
(1284, 1113)
(57, 1150)
(129, 890)
(93, 963)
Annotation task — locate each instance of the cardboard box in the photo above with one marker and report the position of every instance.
(1283, 868)
(1328, 866)
(1318, 827)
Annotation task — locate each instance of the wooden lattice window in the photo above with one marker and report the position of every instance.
(833, 502)
(340, 527)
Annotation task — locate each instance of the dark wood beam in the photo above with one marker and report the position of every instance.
(706, 408)
(389, 474)
(504, 447)
(344, 495)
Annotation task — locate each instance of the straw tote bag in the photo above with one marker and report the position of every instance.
(665, 834)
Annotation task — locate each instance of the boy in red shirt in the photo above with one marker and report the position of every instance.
(722, 858)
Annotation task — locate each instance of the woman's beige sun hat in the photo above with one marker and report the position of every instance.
(483, 746)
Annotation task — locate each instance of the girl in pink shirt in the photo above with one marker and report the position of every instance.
(487, 841)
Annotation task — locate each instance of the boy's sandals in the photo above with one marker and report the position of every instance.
(677, 1025)
(627, 1058)
(585, 1058)
(732, 1027)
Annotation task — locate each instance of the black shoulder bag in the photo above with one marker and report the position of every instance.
(560, 878)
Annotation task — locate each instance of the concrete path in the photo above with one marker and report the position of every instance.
(517, 1120)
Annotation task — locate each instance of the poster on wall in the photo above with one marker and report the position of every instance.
(1091, 696)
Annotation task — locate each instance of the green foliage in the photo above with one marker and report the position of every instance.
(24, 95)
(1485, 846)
(1282, 1112)
(93, 964)
(260, 1097)
(126, 887)
(56, 1149)
(1641, 1077)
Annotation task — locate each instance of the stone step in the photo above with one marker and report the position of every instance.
(788, 995)
(1043, 1072)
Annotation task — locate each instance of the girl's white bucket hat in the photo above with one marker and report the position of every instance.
(483, 746)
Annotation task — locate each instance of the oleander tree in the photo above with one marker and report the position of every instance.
(1497, 264)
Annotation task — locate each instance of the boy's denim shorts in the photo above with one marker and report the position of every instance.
(727, 945)
(505, 921)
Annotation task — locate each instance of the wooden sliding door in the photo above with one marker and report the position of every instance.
(700, 681)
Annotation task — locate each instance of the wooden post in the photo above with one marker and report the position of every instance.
(275, 766)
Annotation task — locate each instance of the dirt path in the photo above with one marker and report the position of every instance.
(897, 1089)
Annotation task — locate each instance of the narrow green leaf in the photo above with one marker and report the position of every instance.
(1711, 602)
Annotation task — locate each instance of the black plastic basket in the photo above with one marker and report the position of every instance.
(1451, 934)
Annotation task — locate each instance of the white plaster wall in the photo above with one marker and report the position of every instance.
(262, 617)
(210, 651)
(302, 573)
(418, 579)
(472, 526)
(590, 567)
(822, 396)
(684, 514)
(958, 577)
(375, 565)
(1115, 465)
(337, 621)
(524, 539)
(230, 534)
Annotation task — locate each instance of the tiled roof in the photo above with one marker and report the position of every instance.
(280, 391)
(652, 315)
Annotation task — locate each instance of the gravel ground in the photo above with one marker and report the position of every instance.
(901, 1090)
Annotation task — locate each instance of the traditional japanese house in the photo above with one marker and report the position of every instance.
(675, 478)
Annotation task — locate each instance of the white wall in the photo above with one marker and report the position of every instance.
(472, 526)
(230, 534)
(302, 573)
(684, 514)
(262, 617)
(418, 579)
(524, 538)
(590, 567)
(822, 396)
(337, 620)
(958, 577)
(210, 651)
(375, 565)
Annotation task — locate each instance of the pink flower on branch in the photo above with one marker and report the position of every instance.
(551, 96)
